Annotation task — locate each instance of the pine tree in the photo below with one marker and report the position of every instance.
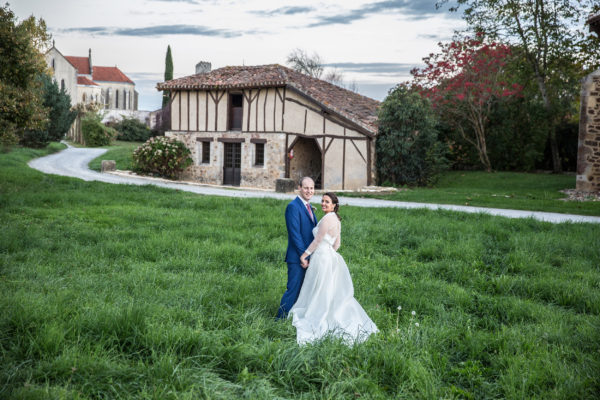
(168, 74)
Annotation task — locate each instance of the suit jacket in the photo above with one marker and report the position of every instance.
(299, 228)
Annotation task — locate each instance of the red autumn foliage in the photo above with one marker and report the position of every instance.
(463, 81)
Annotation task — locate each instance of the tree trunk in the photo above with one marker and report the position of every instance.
(556, 165)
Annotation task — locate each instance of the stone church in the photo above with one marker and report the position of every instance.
(89, 83)
(251, 125)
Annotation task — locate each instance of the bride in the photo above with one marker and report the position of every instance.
(326, 304)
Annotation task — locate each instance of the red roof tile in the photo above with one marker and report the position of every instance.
(352, 106)
(109, 74)
(82, 80)
(81, 64)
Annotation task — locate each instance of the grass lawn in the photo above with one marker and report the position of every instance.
(119, 151)
(115, 291)
(513, 190)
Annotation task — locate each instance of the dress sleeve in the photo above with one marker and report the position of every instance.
(329, 224)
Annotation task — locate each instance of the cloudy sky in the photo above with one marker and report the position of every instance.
(373, 43)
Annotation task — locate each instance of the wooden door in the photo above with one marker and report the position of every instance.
(232, 165)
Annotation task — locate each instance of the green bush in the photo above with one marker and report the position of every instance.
(36, 139)
(94, 132)
(162, 156)
(408, 149)
(132, 130)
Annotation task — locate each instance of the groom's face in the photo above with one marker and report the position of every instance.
(307, 189)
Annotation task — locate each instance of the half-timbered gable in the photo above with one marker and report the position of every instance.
(252, 125)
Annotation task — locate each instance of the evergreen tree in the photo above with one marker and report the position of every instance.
(168, 74)
(60, 115)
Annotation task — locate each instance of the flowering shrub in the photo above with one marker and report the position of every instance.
(162, 156)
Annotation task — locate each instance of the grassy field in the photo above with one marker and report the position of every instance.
(513, 190)
(113, 291)
(119, 151)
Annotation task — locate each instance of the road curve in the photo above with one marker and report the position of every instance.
(74, 162)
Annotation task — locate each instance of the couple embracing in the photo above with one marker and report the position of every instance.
(320, 295)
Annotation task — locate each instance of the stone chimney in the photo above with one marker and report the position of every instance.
(203, 67)
(90, 61)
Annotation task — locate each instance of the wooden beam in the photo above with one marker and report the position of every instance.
(356, 147)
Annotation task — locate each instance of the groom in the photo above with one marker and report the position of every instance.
(300, 220)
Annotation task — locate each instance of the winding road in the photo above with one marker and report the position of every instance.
(74, 162)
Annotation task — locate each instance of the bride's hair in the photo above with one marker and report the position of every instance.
(335, 201)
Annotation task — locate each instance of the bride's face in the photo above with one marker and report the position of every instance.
(326, 204)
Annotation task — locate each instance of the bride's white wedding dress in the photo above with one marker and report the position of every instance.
(326, 304)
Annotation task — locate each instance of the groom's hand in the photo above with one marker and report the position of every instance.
(304, 263)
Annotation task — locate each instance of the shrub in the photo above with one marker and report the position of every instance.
(408, 149)
(132, 130)
(162, 156)
(36, 139)
(94, 132)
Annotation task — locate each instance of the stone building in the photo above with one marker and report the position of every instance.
(250, 125)
(588, 153)
(88, 83)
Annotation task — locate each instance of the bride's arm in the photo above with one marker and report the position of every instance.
(326, 223)
(338, 238)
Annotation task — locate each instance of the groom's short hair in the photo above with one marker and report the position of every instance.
(302, 180)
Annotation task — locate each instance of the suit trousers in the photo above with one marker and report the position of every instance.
(294, 283)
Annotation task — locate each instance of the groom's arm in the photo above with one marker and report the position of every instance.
(292, 221)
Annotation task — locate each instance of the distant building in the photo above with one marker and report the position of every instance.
(88, 83)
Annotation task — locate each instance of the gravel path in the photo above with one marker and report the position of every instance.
(74, 161)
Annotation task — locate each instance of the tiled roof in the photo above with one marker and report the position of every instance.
(109, 74)
(82, 80)
(81, 64)
(352, 106)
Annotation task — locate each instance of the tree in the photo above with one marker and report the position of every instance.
(60, 115)
(21, 63)
(168, 74)
(463, 82)
(550, 35)
(407, 147)
(300, 61)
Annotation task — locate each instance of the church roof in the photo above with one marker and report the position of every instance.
(82, 80)
(352, 106)
(81, 64)
(109, 74)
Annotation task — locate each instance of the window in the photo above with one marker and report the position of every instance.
(205, 152)
(62, 84)
(236, 112)
(53, 64)
(117, 98)
(259, 154)
(84, 97)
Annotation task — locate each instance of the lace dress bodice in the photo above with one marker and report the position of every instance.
(327, 232)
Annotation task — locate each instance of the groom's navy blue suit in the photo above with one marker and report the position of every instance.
(299, 227)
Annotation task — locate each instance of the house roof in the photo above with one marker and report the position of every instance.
(109, 74)
(352, 106)
(82, 80)
(594, 23)
(81, 64)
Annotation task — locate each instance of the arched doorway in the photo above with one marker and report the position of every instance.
(306, 160)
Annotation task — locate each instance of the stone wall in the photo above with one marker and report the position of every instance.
(588, 154)
(263, 176)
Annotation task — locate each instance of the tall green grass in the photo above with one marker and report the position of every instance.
(116, 291)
